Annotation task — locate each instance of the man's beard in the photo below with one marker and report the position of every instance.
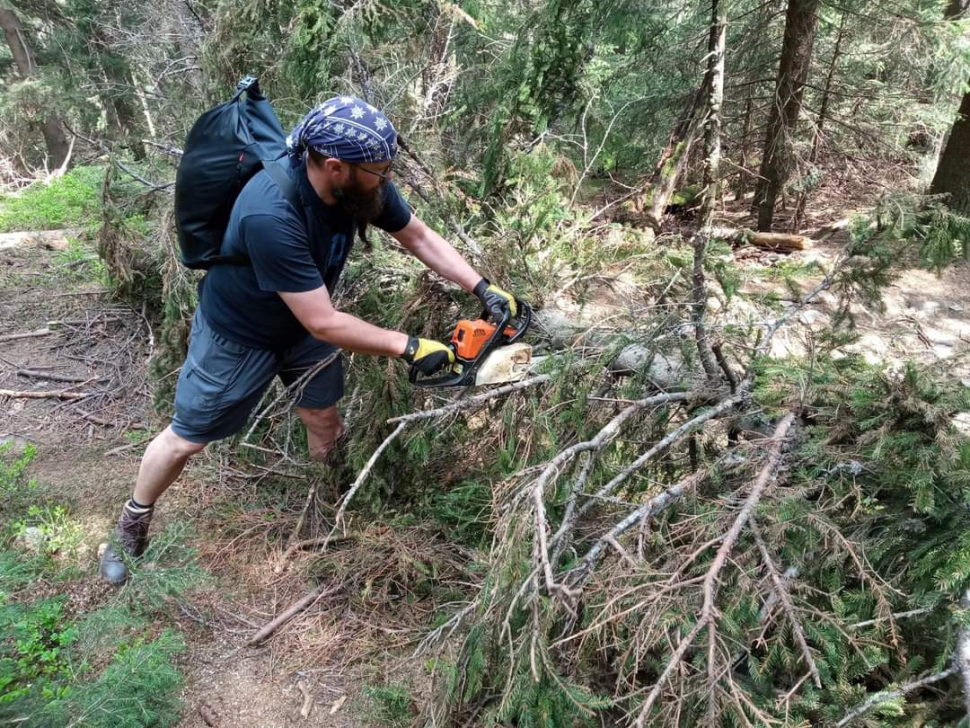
(363, 205)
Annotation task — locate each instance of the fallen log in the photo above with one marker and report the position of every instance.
(777, 241)
(773, 241)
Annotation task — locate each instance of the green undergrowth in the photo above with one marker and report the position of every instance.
(71, 201)
(107, 662)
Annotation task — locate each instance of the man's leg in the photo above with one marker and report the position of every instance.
(161, 464)
(323, 427)
(219, 385)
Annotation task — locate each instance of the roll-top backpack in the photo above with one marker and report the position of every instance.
(225, 148)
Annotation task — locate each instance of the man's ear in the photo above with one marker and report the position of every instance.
(335, 167)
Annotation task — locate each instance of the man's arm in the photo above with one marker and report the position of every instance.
(314, 310)
(436, 253)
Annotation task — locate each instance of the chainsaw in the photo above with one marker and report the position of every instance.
(485, 352)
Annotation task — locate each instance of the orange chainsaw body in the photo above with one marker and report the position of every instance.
(469, 337)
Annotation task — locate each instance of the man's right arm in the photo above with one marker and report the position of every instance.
(314, 310)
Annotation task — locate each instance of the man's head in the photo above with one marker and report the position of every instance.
(352, 145)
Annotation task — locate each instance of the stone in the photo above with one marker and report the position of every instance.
(32, 540)
(961, 423)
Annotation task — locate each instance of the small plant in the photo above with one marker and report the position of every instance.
(77, 263)
(390, 704)
(33, 658)
(62, 535)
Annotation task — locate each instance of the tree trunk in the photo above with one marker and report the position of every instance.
(58, 147)
(671, 164)
(712, 159)
(953, 171)
(796, 54)
(823, 112)
(742, 186)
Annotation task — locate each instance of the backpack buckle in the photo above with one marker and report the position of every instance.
(249, 83)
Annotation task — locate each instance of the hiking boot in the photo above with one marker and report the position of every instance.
(131, 536)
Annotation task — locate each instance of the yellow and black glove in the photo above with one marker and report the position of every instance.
(427, 355)
(495, 300)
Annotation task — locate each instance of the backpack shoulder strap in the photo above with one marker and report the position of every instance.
(275, 170)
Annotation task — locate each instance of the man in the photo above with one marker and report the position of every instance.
(273, 316)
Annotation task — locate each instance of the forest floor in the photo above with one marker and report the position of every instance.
(88, 451)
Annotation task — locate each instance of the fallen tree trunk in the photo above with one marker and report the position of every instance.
(773, 241)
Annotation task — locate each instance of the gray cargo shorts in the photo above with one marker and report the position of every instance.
(222, 381)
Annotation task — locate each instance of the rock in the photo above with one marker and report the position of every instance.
(811, 316)
(955, 307)
(942, 351)
(714, 304)
(32, 540)
(961, 423)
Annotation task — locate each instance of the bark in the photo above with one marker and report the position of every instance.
(712, 159)
(742, 186)
(58, 147)
(823, 113)
(796, 55)
(671, 164)
(953, 173)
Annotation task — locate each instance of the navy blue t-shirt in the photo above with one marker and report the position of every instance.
(240, 302)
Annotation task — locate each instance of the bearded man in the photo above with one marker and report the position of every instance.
(272, 316)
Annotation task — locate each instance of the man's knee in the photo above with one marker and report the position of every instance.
(177, 446)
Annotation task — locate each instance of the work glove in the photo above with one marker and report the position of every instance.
(494, 299)
(427, 355)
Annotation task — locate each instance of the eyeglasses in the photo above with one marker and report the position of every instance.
(384, 176)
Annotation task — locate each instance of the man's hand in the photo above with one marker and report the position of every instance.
(494, 299)
(427, 355)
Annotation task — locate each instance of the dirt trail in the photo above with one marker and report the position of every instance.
(88, 452)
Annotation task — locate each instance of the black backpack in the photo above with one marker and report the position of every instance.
(225, 148)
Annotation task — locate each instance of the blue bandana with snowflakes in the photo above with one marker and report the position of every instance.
(345, 128)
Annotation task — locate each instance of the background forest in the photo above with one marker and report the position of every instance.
(735, 490)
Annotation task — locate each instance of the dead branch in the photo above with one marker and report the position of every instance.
(895, 616)
(707, 614)
(287, 614)
(33, 373)
(887, 695)
(26, 335)
(685, 429)
(61, 394)
(648, 510)
(360, 481)
(472, 401)
(311, 542)
(781, 590)
(552, 469)
(307, 700)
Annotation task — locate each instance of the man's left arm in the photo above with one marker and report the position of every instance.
(437, 253)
